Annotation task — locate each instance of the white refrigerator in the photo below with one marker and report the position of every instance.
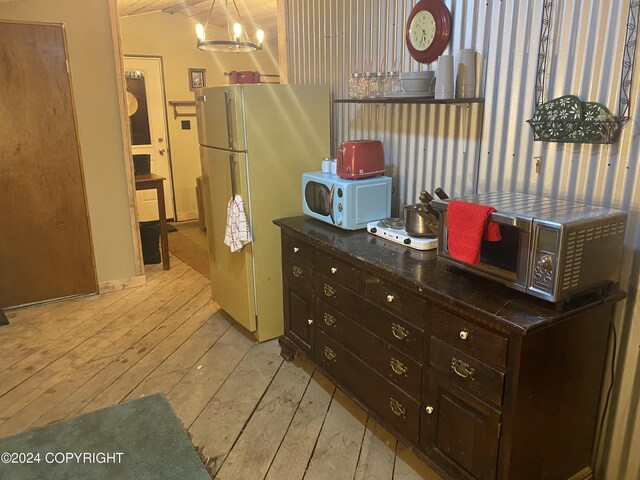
(256, 141)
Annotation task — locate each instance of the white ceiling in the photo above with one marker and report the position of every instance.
(255, 13)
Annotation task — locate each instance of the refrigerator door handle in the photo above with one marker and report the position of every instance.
(232, 169)
(227, 101)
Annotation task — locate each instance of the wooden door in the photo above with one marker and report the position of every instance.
(459, 432)
(148, 122)
(298, 318)
(45, 242)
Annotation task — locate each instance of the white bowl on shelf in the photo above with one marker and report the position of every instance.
(418, 74)
(415, 82)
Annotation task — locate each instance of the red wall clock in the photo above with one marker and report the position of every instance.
(428, 30)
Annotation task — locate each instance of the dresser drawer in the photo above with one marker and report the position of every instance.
(395, 330)
(467, 372)
(388, 401)
(383, 358)
(297, 249)
(337, 296)
(470, 338)
(382, 293)
(338, 271)
(297, 274)
(331, 321)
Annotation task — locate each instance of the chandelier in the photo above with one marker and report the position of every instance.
(237, 41)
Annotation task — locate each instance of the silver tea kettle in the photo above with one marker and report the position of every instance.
(420, 219)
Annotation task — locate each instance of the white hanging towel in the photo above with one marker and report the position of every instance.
(237, 233)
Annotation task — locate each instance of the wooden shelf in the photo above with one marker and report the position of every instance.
(454, 101)
(175, 106)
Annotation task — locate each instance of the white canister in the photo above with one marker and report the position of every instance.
(444, 78)
(326, 165)
(466, 76)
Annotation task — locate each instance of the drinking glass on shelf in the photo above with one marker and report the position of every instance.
(369, 86)
(393, 84)
(362, 86)
(381, 84)
(355, 85)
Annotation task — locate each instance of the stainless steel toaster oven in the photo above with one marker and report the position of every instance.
(550, 249)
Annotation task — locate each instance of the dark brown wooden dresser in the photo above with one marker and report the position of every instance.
(481, 381)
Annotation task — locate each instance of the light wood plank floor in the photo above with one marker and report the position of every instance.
(189, 244)
(254, 415)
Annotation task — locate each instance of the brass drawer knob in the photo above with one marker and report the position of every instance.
(329, 320)
(462, 369)
(329, 291)
(429, 409)
(399, 367)
(297, 272)
(399, 331)
(389, 298)
(296, 249)
(329, 354)
(464, 334)
(397, 408)
(334, 269)
(310, 321)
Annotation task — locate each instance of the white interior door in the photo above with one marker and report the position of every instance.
(147, 119)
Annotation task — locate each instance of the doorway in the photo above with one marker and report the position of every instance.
(148, 123)
(46, 250)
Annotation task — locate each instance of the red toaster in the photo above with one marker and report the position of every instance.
(236, 77)
(360, 159)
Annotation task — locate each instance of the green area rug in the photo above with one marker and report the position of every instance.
(142, 439)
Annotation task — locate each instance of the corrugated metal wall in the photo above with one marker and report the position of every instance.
(330, 39)
(489, 146)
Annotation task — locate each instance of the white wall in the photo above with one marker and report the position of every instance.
(490, 146)
(173, 38)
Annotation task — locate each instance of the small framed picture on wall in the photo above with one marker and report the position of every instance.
(196, 78)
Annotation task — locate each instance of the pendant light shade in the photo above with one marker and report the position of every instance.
(237, 39)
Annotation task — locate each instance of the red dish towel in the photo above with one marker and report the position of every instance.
(467, 225)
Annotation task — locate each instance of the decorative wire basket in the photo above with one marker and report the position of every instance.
(555, 122)
(578, 131)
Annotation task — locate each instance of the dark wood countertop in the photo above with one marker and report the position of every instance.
(490, 302)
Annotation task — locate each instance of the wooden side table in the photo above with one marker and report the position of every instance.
(150, 182)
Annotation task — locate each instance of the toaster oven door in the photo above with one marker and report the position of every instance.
(505, 260)
(318, 198)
